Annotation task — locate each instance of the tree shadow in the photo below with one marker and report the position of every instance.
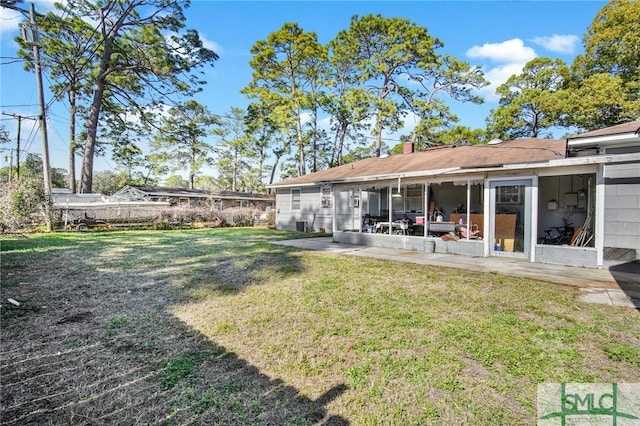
(103, 347)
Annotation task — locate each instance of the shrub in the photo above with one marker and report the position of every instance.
(239, 216)
(21, 204)
(271, 218)
(213, 218)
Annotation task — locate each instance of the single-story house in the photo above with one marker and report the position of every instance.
(572, 201)
(195, 197)
(68, 207)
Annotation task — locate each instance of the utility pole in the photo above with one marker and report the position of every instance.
(31, 36)
(18, 149)
(19, 118)
(10, 164)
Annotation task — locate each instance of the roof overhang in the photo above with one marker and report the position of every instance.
(622, 139)
(247, 198)
(108, 204)
(459, 171)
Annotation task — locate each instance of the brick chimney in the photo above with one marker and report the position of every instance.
(408, 148)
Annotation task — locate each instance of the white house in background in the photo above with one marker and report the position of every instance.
(138, 205)
(195, 197)
(572, 201)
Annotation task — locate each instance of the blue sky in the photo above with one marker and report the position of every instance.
(499, 36)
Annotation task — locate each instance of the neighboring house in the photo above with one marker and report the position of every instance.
(180, 196)
(227, 199)
(68, 207)
(572, 201)
(137, 205)
(194, 197)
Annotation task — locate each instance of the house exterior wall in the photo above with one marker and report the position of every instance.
(421, 244)
(242, 203)
(585, 257)
(348, 204)
(311, 211)
(599, 192)
(622, 206)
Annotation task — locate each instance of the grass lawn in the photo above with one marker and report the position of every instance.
(223, 327)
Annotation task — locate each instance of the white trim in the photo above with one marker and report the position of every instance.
(569, 170)
(605, 140)
(99, 204)
(599, 213)
(533, 227)
(296, 185)
(534, 218)
(299, 200)
(487, 219)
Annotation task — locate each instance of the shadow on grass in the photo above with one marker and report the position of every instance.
(102, 347)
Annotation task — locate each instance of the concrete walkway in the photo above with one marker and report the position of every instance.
(608, 285)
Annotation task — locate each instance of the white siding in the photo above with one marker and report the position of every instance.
(622, 206)
(311, 211)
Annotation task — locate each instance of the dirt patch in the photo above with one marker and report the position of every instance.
(96, 345)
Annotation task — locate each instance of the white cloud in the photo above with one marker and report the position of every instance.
(503, 60)
(508, 51)
(211, 45)
(497, 76)
(558, 43)
(9, 21)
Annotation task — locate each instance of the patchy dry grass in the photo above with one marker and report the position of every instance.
(222, 327)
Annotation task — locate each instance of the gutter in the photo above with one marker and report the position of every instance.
(374, 178)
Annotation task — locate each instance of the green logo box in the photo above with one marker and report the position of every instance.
(573, 404)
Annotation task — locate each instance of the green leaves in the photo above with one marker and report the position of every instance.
(181, 137)
(397, 63)
(530, 103)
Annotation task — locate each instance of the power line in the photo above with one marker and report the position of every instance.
(18, 106)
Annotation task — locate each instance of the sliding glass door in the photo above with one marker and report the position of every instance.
(510, 218)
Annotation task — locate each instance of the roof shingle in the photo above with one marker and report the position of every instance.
(442, 157)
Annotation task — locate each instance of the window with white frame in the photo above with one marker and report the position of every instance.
(295, 199)
(325, 196)
(414, 202)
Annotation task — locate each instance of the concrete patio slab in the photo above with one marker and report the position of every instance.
(597, 285)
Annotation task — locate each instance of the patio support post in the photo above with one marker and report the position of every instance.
(599, 216)
(468, 210)
(390, 201)
(535, 217)
(488, 211)
(425, 209)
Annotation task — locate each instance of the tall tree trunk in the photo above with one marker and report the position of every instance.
(302, 169)
(341, 135)
(275, 166)
(86, 182)
(378, 134)
(72, 139)
(234, 180)
(192, 168)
